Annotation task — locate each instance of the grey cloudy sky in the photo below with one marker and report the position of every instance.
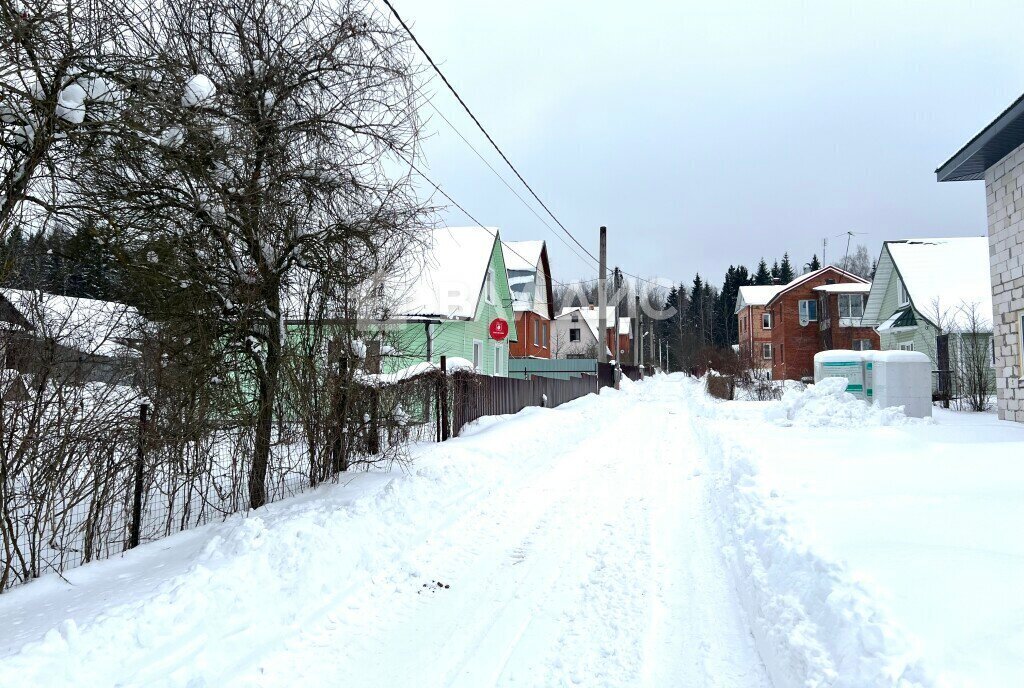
(705, 134)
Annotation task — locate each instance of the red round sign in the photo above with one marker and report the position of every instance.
(499, 329)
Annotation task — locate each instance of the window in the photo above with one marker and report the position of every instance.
(544, 335)
(906, 346)
(490, 288)
(497, 359)
(574, 334)
(575, 317)
(862, 345)
(851, 305)
(766, 351)
(478, 355)
(901, 293)
(808, 310)
(536, 333)
(766, 321)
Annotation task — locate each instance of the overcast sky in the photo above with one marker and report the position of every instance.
(714, 133)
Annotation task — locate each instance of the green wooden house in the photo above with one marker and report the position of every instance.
(933, 296)
(445, 300)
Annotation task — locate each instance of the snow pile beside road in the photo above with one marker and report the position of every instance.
(814, 625)
(257, 578)
(827, 403)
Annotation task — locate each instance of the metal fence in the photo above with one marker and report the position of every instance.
(476, 396)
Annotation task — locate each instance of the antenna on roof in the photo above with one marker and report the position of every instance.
(849, 235)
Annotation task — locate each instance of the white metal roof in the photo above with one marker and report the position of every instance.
(447, 278)
(845, 287)
(522, 255)
(757, 295)
(945, 278)
(88, 325)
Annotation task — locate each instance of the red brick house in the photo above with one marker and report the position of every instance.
(753, 323)
(807, 317)
(529, 280)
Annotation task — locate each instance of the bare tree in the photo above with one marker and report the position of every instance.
(859, 262)
(255, 153)
(56, 95)
(971, 359)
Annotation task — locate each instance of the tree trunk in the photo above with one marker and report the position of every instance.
(268, 387)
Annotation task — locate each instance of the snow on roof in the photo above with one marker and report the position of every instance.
(815, 273)
(95, 327)
(522, 255)
(756, 295)
(446, 279)
(945, 278)
(845, 288)
(590, 317)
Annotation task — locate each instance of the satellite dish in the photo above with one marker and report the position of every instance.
(804, 321)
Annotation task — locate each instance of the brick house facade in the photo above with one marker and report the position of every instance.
(840, 319)
(753, 325)
(529, 279)
(797, 332)
(534, 336)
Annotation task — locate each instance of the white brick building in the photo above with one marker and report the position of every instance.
(997, 156)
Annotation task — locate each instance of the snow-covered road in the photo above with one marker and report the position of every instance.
(557, 547)
(599, 570)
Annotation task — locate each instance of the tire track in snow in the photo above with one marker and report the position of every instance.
(591, 573)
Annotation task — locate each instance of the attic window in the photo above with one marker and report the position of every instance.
(489, 288)
(901, 293)
(830, 281)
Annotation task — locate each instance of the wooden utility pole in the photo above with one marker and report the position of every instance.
(602, 301)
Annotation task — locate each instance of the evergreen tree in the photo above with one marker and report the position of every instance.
(775, 271)
(815, 264)
(695, 321)
(762, 277)
(786, 270)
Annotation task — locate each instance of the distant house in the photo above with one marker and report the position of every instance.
(996, 155)
(754, 324)
(445, 300)
(529, 279)
(576, 333)
(929, 294)
(805, 320)
(87, 340)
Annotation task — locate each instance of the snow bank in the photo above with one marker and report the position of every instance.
(256, 579)
(814, 625)
(827, 403)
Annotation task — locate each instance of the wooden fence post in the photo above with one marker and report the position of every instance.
(445, 428)
(140, 458)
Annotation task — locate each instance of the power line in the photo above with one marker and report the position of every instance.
(482, 129)
(496, 147)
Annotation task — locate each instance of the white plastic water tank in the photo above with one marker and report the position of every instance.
(842, 363)
(902, 378)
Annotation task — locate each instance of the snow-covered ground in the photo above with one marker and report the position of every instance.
(648, 537)
(557, 547)
(912, 526)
